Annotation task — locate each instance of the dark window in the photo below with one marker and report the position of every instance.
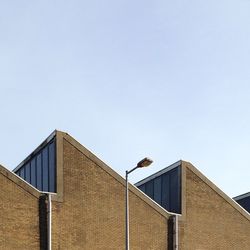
(39, 172)
(27, 172)
(142, 188)
(157, 189)
(149, 189)
(165, 202)
(45, 169)
(22, 173)
(166, 189)
(174, 191)
(33, 172)
(40, 169)
(52, 167)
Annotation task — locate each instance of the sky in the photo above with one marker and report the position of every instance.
(165, 79)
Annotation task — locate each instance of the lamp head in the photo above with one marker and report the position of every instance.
(144, 162)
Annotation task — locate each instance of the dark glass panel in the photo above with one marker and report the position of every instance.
(52, 167)
(175, 201)
(142, 188)
(165, 191)
(150, 188)
(39, 171)
(27, 172)
(173, 191)
(179, 190)
(22, 172)
(45, 169)
(157, 190)
(33, 172)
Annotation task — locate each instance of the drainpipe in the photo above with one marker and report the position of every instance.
(175, 232)
(49, 220)
(45, 220)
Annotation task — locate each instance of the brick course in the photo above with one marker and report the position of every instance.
(19, 221)
(211, 221)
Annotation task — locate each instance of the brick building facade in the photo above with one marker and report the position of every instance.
(88, 206)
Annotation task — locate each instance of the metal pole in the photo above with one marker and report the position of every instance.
(141, 164)
(127, 213)
(49, 221)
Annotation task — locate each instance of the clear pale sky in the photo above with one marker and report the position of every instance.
(128, 79)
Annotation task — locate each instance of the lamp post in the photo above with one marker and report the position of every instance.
(141, 164)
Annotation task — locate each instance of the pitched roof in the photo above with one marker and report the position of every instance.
(110, 171)
(228, 199)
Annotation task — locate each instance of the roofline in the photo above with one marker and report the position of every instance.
(163, 171)
(34, 152)
(115, 175)
(20, 182)
(242, 196)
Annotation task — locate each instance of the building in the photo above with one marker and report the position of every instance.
(63, 197)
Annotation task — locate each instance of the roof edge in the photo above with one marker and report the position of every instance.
(115, 175)
(229, 200)
(20, 182)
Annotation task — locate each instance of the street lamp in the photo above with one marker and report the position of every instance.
(141, 164)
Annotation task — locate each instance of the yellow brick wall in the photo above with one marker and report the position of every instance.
(19, 221)
(211, 222)
(92, 215)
